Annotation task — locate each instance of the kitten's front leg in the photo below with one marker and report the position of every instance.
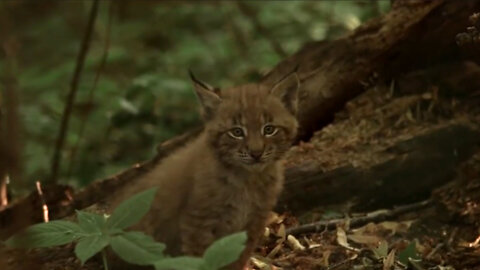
(196, 234)
(255, 232)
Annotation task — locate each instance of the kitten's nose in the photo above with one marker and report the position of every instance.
(256, 154)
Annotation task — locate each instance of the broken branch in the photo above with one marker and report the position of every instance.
(377, 216)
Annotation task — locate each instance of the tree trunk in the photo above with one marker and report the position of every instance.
(413, 34)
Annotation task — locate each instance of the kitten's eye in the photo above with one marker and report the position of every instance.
(236, 133)
(269, 130)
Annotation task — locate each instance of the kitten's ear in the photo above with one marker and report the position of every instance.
(287, 91)
(207, 95)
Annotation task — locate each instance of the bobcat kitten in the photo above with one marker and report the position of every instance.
(229, 177)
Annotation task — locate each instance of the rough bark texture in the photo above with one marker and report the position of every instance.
(419, 165)
(414, 33)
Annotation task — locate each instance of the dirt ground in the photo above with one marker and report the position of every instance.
(441, 236)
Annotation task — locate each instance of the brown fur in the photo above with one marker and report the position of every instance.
(214, 186)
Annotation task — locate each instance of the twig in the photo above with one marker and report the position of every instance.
(3, 191)
(451, 238)
(250, 13)
(376, 216)
(337, 265)
(44, 203)
(434, 250)
(3, 166)
(73, 91)
(91, 93)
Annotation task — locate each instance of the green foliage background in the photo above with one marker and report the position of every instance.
(144, 95)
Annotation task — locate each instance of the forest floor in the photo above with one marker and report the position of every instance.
(441, 236)
(444, 235)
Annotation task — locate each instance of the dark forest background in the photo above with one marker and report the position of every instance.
(134, 90)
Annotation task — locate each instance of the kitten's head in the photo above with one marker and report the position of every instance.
(253, 125)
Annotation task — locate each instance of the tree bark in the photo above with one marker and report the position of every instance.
(413, 34)
(420, 165)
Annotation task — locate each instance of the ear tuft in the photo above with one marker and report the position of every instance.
(287, 89)
(197, 81)
(207, 95)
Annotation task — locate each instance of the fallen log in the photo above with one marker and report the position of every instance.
(413, 34)
(418, 166)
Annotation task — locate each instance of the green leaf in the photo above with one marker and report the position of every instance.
(224, 251)
(131, 210)
(382, 250)
(128, 106)
(53, 233)
(409, 252)
(179, 263)
(330, 214)
(90, 222)
(89, 246)
(137, 248)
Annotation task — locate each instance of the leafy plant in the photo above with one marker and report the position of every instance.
(94, 232)
(382, 250)
(220, 254)
(410, 252)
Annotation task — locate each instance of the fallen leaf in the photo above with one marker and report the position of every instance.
(326, 257)
(294, 243)
(266, 233)
(401, 227)
(275, 250)
(262, 265)
(272, 218)
(364, 239)
(445, 267)
(311, 243)
(409, 252)
(281, 232)
(389, 260)
(382, 250)
(370, 228)
(342, 239)
(420, 248)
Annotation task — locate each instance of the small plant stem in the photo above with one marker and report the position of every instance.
(70, 101)
(104, 259)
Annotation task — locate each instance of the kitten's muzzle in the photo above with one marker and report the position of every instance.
(256, 154)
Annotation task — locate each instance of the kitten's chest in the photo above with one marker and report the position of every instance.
(249, 198)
